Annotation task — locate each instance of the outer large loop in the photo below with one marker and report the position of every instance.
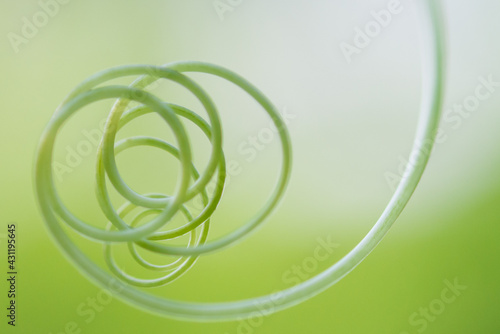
(44, 178)
(426, 133)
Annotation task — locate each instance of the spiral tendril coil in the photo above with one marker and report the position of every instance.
(161, 207)
(191, 183)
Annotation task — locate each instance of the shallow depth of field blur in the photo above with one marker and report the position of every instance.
(352, 123)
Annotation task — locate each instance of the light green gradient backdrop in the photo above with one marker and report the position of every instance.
(351, 124)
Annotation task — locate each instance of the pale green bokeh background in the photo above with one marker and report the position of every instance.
(351, 124)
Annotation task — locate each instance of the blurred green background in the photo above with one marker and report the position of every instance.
(351, 123)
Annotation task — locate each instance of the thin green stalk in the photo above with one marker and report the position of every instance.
(192, 184)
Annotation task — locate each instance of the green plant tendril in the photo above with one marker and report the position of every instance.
(192, 184)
